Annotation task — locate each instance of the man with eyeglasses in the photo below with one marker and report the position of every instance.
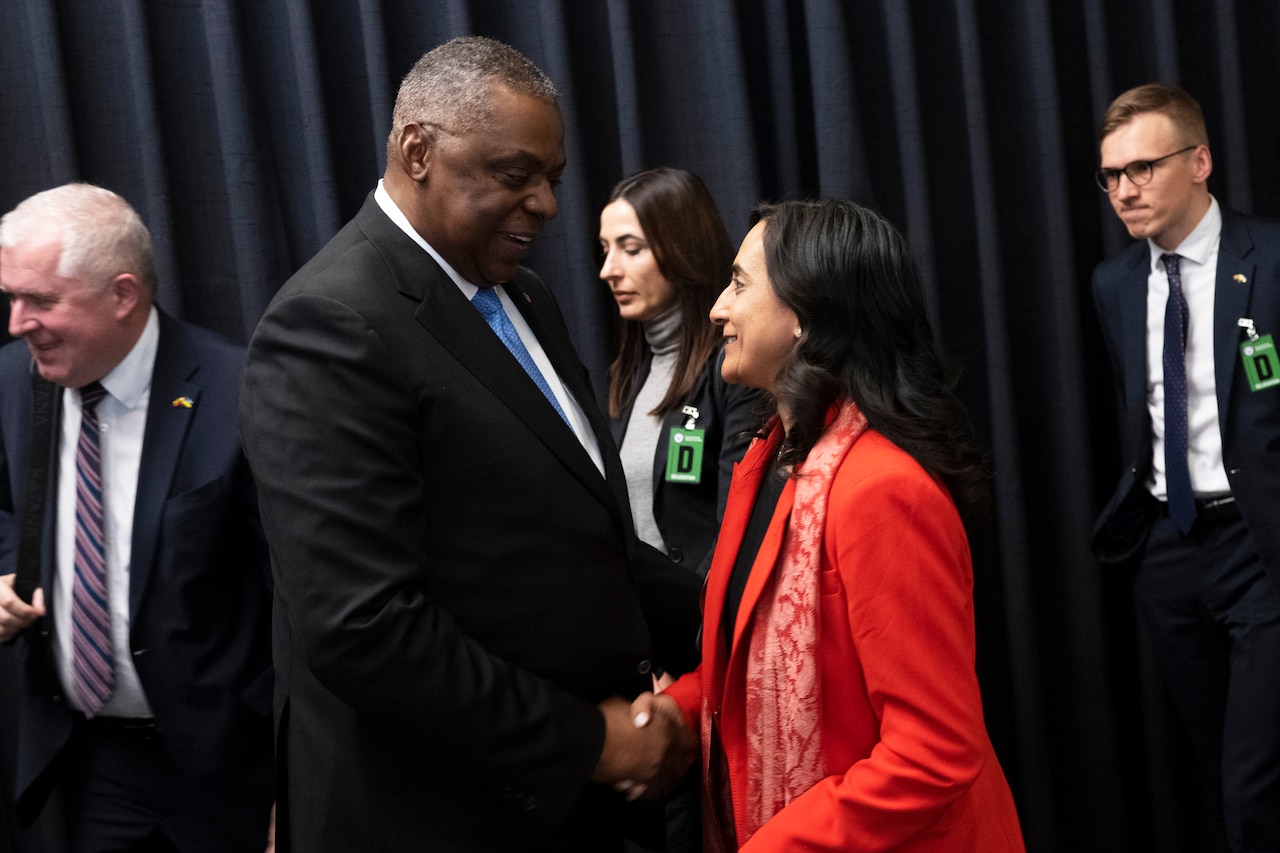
(1188, 316)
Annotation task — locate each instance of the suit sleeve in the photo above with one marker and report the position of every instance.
(334, 434)
(900, 552)
(687, 691)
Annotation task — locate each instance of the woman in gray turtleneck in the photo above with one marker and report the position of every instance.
(679, 425)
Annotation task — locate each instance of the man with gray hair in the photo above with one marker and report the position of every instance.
(462, 608)
(134, 584)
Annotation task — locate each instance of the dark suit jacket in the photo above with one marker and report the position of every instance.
(1249, 421)
(199, 582)
(688, 515)
(456, 583)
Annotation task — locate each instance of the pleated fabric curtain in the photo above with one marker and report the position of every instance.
(246, 133)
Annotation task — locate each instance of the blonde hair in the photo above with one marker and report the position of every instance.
(1172, 101)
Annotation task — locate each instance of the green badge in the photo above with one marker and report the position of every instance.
(684, 455)
(1260, 362)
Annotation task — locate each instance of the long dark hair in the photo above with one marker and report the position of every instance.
(693, 251)
(849, 277)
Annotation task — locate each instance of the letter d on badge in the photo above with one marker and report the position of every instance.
(1260, 363)
(684, 455)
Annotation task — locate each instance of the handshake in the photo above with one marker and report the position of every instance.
(647, 746)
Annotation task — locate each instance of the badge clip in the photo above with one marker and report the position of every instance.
(1250, 330)
(692, 413)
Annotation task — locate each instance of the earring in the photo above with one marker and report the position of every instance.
(799, 332)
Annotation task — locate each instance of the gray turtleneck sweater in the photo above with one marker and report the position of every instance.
(643, 429)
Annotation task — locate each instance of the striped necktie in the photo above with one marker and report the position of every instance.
(94, 675)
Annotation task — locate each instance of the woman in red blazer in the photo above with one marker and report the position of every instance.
(836, 700)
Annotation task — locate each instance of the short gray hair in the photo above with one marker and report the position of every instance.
(101, 235)
(449, 86)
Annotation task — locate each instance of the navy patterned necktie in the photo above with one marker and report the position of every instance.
(94, 675)
(489, 305)
(1182, 503)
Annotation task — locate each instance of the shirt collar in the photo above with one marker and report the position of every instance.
(393, 212)
(1200, 244)
(131, 378)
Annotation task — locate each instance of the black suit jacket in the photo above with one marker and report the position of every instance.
(689, 514)
(456, 583)
(1247, 285)
(199, 593)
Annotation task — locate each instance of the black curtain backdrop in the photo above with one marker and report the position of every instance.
(246, 133)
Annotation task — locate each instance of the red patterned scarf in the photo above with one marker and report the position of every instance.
(784, 690)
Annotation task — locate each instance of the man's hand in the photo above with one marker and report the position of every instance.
(647, 747)
(16, 614)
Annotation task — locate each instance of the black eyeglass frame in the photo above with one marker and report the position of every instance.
(1145, 171)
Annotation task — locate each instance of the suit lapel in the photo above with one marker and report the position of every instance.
(48, 535)
(1133, 317)
(166, 431)
(748, 476)
(448, 317)
(1231, 300)
(535, 304)
(765, 563)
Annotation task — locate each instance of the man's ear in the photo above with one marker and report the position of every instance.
(416, 146)
(1203, 163)
(126, 294)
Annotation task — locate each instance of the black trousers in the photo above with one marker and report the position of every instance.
(125, 793)
(1213, 614)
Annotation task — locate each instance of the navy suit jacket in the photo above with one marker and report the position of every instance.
(1247, 285)
(199, 593)
(457, 586)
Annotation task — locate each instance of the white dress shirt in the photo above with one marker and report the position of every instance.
(122, 420)
(1197, 268)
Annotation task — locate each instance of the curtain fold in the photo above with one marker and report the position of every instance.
(246, 132)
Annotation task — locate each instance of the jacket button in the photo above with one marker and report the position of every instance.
(676, 555)
(645, 667)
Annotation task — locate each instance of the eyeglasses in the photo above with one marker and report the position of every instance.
(1139, 172)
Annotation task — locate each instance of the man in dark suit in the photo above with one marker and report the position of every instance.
(461, 604)
(1188, 314)
(145, 691)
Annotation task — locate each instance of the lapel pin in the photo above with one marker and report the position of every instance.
(1240, 278)
(184, 402)
(528, 298)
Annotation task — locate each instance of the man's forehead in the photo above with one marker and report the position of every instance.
(32, 267)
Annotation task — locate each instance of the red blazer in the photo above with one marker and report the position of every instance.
(909, 763)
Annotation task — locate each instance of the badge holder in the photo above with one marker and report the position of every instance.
(1261, 364)
(684, 450)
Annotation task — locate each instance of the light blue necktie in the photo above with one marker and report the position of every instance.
(489, 305)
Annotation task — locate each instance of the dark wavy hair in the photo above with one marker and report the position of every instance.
(849, 277)
(693, 251)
